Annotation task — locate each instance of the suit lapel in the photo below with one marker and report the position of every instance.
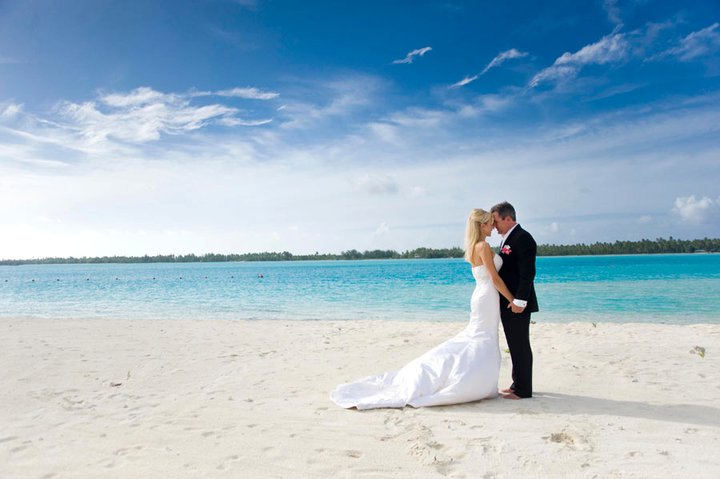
(511, 235)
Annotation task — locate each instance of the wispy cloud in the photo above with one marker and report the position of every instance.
(420, 117)
(112, 124)
(697, 44)
(613, 11)
(230, 121)
(619, 47)
(465, 81)
(248, 93)
(497, 61)
(342, 97)
(139, 96)
(415, 53)
(501, 58)
(611, 48)
(10, 110)
(139, 116)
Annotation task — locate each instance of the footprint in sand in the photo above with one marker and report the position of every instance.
(560, 437)
(453, 424)
(227, 462)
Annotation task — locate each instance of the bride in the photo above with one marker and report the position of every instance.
(462, 369)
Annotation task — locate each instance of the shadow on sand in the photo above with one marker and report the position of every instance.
(568, 404)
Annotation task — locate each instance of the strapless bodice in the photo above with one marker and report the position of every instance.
(480, 272)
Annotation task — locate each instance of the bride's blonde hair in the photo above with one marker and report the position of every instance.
(473, 234)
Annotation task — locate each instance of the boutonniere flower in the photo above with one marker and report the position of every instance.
(506, 250)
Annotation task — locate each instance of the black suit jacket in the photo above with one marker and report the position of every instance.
(518, 270)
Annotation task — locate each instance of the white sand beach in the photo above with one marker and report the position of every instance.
(206, 399)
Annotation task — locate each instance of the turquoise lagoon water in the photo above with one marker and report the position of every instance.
(636, 288)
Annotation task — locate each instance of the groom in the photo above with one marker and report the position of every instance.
(518, 251)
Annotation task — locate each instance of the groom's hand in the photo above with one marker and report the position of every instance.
(515, 308)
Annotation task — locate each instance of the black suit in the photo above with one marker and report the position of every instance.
(518, 272)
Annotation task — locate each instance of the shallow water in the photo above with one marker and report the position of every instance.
(636, 288)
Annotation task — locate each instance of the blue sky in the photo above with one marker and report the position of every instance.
(162, 127)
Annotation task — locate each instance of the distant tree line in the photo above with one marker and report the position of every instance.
(644, 246)
(265, 256)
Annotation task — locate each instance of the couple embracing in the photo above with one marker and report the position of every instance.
(466, 367)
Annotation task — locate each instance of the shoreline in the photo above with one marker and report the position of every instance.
(220, 398)
(553, 319)
(89, 261)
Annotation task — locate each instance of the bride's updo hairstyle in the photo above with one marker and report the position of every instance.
(473, 234)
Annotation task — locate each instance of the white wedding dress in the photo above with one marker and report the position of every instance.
(462, 369)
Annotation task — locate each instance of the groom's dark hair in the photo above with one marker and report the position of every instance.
(504, 209)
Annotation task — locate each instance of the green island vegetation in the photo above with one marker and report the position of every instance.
(658, 246)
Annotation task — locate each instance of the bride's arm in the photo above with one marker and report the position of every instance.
(486, 254)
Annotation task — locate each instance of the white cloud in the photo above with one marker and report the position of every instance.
(142, 122)
(465, 81)
(10, 110)
(248, 93)
(611, 48)
(495, 62)
(697, 44)
(230, 121)
(696, 211)
(503, 57)
(556, 73)
(645, 219)
(139, 96)
(410, 56)
(119, 119)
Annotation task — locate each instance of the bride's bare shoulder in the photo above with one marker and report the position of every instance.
(479, 251)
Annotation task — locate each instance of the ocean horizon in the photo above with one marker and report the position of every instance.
(666, 288)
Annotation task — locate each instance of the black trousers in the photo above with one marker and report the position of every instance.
(517, 334)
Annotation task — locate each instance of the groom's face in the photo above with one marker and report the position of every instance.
(502, 225)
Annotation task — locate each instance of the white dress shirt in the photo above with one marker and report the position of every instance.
(504, 237)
